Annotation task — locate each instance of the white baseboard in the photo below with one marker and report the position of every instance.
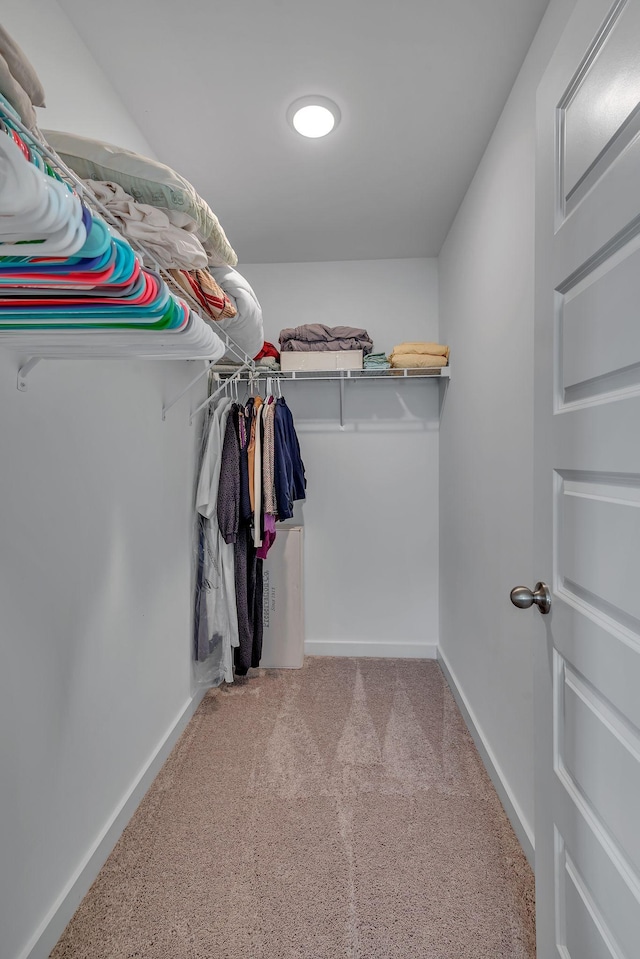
(54, 924)
(364, 647)
(512, 808)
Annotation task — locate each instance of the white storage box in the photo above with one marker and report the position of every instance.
(283, 601)
(318, 360)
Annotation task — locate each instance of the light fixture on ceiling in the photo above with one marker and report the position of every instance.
(313, 116)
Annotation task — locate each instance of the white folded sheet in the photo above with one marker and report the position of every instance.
(173, 246)
(246, 329)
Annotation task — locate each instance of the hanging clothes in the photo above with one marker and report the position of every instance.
(256, 433)
(234, 518)
(251, 474)
(252, 406)
(269, 504)
(290, 479)
(216, 614)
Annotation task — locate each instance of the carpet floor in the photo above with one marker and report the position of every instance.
(339, 811)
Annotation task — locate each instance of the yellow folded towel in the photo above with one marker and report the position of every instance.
(432, 349)
(401, 361)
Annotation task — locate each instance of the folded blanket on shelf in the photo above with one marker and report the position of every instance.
(229, 363)
(376, 361)
(211, 297)
(404, 361)
(431, 349)
(264, 366)
(172, 246)
(147, 181)
(314, 337)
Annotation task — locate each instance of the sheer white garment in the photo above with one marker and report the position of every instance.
(219, 616)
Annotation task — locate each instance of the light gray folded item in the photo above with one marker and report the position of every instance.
(21, 69)
(173, 247)
(19, 100)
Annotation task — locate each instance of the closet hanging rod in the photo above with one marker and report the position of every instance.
(440, 374)
(92, 200)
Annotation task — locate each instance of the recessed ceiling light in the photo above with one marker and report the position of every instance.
(313, 116)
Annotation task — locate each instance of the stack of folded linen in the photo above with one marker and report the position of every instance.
(19, 83)
(376, 361)
(314, 337)
(149, 183)
(419, 356)
(172, 246)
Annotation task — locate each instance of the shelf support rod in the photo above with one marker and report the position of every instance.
(24, 371)
(167, 406)
(235, 377)
(443, 393)
(341, 401)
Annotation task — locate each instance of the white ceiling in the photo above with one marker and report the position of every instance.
(420, 83)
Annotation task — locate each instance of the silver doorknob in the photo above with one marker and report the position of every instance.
(523, 598)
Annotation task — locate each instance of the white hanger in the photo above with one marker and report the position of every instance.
(36, 207)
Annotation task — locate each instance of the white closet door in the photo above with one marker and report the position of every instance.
(587, 509)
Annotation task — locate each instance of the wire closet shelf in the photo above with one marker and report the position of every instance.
(260, 373)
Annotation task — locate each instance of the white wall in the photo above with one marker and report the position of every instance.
(95, 569)
(486, 271)
(371, 515)
(79, 96)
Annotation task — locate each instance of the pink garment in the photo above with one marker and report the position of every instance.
(268, 537)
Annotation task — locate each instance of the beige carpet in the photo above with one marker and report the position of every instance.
(336, 811)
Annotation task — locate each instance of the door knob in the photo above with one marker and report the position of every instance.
(523, 598)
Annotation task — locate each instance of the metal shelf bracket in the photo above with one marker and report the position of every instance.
(24, 371)
(172, 402)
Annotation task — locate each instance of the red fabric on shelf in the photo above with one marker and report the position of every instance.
(267, 350)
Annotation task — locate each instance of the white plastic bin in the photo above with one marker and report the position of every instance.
(283, 613)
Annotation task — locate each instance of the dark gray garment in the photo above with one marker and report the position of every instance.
(236, 530)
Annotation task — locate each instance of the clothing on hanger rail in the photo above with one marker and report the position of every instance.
(248, 502)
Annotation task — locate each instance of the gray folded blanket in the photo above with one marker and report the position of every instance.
(316, 337)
